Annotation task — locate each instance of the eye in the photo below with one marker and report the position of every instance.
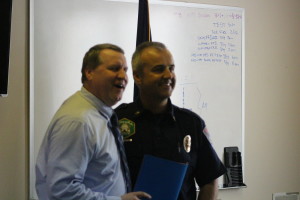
(114, 68)
(158, 68)
(172, 68)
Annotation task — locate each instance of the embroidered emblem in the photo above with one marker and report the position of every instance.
(187, 143)
(127, 127)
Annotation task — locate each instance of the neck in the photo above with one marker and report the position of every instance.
(154, 105)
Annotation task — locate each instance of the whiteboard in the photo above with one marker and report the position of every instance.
(207, 43)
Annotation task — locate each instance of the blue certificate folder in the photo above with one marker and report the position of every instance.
(161, 178)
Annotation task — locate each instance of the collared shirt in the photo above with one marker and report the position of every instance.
(163, 135)
(78, 158)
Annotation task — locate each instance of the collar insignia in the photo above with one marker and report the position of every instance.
(127, 127)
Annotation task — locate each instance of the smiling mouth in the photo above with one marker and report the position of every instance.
(120, 86)
(167, 83)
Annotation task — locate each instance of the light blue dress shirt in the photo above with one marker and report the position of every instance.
(78, 158)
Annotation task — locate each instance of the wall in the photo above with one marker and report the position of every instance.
(14, 112)
(272, 102)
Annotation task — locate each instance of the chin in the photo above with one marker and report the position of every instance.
(165, 97)
(117, 100)
(113, 102)
(168, 94)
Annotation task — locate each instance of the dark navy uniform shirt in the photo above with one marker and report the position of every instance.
(162, 135)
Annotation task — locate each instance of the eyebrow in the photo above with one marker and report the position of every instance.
(162, 65)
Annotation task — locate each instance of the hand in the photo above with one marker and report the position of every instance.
(135, 196)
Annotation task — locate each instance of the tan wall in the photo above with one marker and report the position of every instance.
(14, 112)
(272, 161)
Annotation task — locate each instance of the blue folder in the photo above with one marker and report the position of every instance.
(161, 178)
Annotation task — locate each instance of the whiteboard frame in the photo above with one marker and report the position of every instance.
(160, 2)
(31, 103)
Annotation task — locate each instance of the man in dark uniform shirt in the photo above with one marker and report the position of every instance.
(153, 125)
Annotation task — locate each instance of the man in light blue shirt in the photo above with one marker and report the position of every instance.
(79, 158)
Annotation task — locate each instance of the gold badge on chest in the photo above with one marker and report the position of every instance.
(127, 127)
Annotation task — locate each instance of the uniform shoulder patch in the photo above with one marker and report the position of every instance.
(127, 127)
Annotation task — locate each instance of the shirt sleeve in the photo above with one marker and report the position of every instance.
(71, 147)
(210, 166)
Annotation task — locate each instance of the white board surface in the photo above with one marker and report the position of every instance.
(206, 42)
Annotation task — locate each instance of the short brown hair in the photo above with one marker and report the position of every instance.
(92, 59)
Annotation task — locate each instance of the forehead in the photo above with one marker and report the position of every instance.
(153, 55)
(109, 55)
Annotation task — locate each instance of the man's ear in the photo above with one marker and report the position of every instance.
(137, 77)
(88, 74)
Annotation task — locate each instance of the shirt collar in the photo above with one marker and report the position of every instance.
(97, 103)
(140, 110)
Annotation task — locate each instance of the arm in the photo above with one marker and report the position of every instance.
(209, 191)
(211, 168)
(69, 152)
(71, 148)
(135, 196)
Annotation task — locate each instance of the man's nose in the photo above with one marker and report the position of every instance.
(168, 73)
(122, 74)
